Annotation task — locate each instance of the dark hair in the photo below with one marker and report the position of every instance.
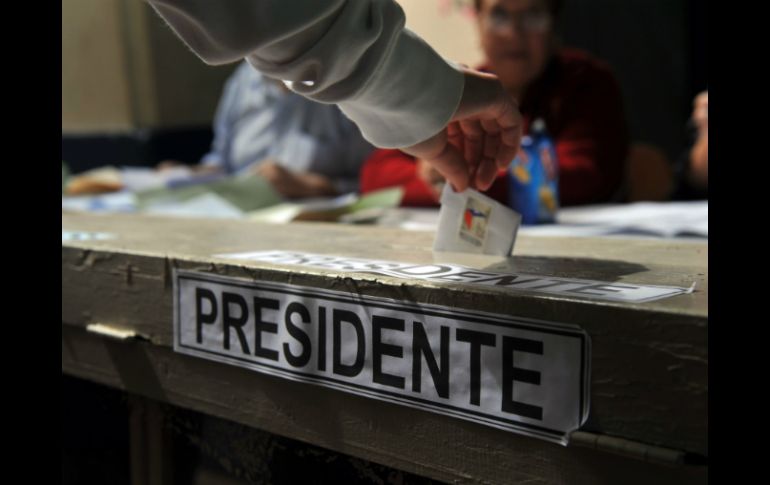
(554, 6)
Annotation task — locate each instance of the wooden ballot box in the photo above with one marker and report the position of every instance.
(576, 360)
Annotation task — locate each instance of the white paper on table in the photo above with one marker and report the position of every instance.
(113, 202)
(204, 205)
(669, 219)
(137, 179)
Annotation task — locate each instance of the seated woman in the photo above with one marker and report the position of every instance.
(692, 169)
(303, 148)
(575, 94)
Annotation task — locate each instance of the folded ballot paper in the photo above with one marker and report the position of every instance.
(471, 222)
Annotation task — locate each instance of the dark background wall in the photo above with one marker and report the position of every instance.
(657, 49)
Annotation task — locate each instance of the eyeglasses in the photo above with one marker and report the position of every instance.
(530, 21)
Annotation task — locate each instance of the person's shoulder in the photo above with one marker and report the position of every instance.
(246, 83)
(577, 62)
(245, 74)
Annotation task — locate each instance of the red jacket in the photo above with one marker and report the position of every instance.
(580, 101)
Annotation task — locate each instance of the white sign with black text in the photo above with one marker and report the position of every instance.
(521, 375)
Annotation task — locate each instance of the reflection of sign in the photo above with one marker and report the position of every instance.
(442, 273)
(521, 375)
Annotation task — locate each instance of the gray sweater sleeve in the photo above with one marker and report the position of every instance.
(354, 53)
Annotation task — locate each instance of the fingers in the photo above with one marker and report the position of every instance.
(486, 173)
(484, 135)
(473, 135)
(508, 121)
(451, 164)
